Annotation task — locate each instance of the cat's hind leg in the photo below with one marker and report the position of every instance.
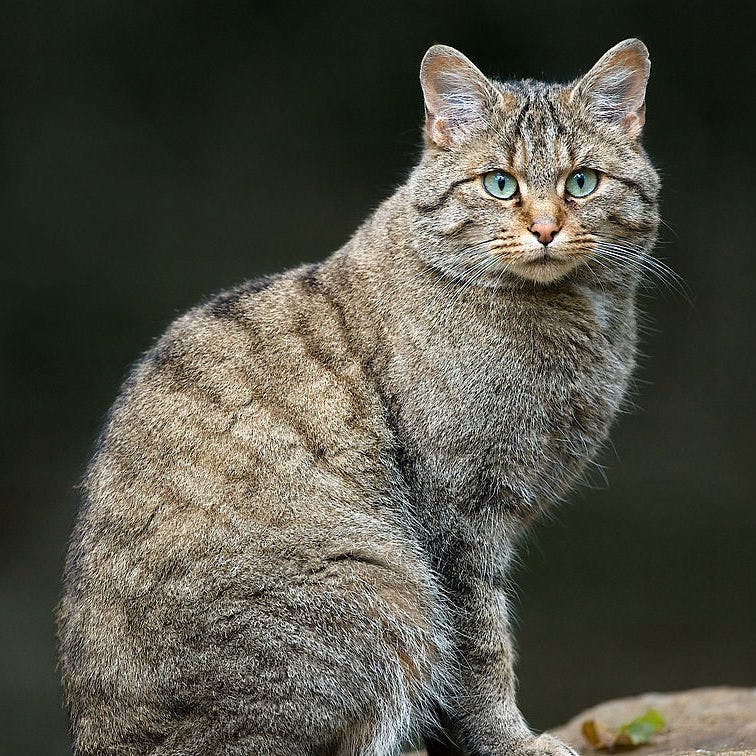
(277, 655)
(341, 661)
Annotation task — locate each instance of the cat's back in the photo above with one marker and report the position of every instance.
(252, 419)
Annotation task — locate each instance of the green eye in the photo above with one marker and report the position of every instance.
(500, 185)
(582, 182)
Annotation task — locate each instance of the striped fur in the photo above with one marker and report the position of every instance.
(298, 521)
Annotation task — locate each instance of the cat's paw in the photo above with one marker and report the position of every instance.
(546, 745)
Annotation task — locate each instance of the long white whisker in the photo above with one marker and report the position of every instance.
(635, 255)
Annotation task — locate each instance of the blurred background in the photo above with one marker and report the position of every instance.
(155, 152)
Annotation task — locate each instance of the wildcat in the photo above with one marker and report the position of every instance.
(299, 516)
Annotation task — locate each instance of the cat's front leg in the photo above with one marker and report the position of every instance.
(483, 715)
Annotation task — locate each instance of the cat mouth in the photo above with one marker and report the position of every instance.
(545, 265)
(543, 259)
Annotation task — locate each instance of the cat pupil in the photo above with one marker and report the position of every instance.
(502, 182)
(580, 178)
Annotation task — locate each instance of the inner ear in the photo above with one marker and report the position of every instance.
(614, 90)
(456, 93)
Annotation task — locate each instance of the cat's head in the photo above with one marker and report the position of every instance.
(527, 180)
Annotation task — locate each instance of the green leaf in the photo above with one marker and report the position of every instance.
(641, 729)
(629, 735)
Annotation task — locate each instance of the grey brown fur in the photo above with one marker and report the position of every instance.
(299, 517)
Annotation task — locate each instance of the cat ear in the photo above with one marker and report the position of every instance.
(456, 94)
(614, 89)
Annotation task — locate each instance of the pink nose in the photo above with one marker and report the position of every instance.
(544, 229)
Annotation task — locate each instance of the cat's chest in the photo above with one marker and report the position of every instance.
(520, 402)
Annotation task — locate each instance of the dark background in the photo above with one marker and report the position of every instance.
(154, 152)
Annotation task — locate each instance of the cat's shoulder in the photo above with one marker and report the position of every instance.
(256, 330)
(255, 306)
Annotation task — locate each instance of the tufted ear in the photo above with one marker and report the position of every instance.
(614, 90)
(456, 94)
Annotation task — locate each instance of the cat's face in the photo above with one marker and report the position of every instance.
(529, 180)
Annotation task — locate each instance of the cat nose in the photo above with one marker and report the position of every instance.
(544, 229)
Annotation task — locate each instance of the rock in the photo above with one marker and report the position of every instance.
(698, 722)
(706, 720)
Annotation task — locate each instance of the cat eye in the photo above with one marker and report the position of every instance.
(581, 183)
(500, 185)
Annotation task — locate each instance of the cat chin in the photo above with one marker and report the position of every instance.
(544, 270)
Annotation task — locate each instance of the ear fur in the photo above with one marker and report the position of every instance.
(614, 90)
(456, 94)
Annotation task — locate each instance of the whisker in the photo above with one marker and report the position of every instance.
(629, 253)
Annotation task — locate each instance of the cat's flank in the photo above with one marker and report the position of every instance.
(299, 517)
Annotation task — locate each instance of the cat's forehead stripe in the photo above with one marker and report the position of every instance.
(535, 137)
